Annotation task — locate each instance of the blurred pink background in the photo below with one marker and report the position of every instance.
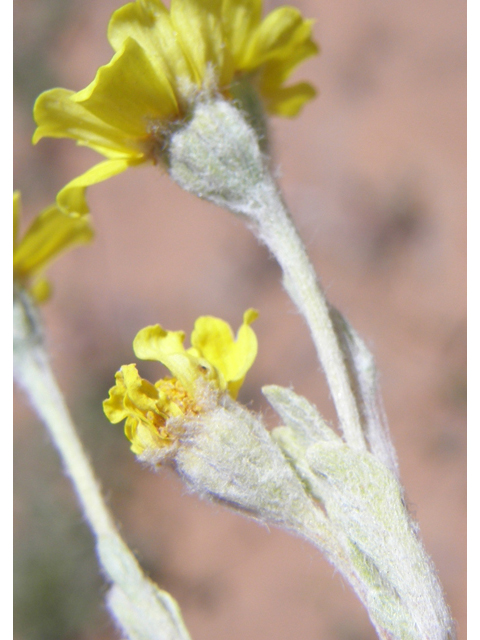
(374, 173)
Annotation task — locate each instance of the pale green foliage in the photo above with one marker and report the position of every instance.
(363, 375)
(363, 500)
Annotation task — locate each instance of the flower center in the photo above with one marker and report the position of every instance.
(177, 399)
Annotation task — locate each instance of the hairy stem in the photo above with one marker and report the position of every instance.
(275, 228)
(143, 611)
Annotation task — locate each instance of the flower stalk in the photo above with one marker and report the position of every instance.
(217, 156)
(142, 610)
(384, 560)
(276, 230)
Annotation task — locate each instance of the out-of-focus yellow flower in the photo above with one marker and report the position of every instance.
(163, 60)
(51, 233)
(216, 362)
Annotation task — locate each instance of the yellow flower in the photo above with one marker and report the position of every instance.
(216, 362)
(51, 233)
(163, 60)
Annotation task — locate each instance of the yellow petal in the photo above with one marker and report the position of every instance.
(58, 116)
(131, 396)
(277, 70)
(136, 400)
(155, 343)
(214, 340)
(240, 19)
(130, 429)
(135, 20)
(40, 290)
(128, 93)
(114, 406)
(141, 395)
(143, 436)
(199, 27)
(71, 199)
(288, 101)
(148, 23)
(50, 234)
(278, 36)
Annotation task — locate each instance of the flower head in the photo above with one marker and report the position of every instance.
(51, 233)
(216, 363)
(164, 60)
(220, 449)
